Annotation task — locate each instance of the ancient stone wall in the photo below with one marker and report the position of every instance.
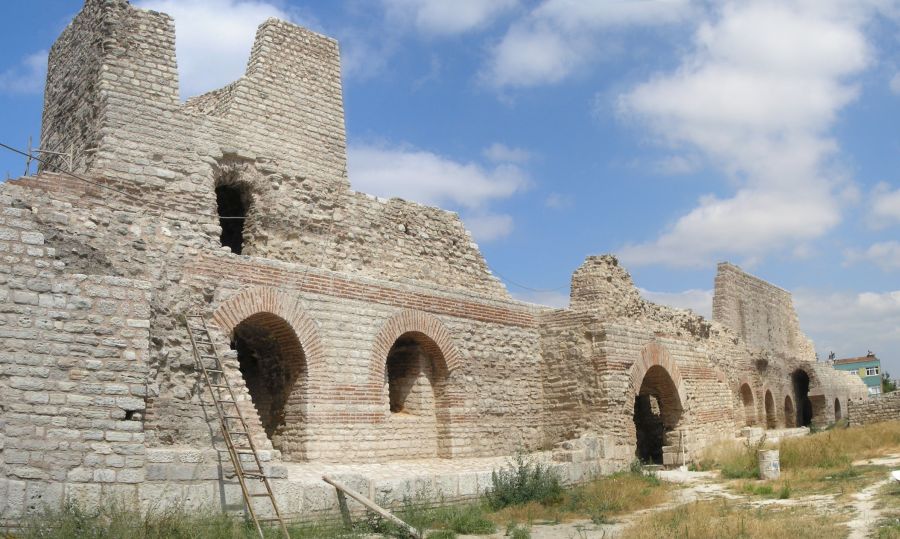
(874, 410)
(278, 132)
(73, 373)
(761, 313)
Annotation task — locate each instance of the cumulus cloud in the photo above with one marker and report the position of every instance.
(432, 179)
(214, 38)
(501, 153)
(558, 36)
(852, 323)
(489, 227)
(756, 98)
(884, 209)
(27, 77)
(885, 255)
(443, 18)
(895, 84)
(558, 201)
(699, 301)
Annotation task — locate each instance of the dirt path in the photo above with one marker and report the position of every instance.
(866, 514)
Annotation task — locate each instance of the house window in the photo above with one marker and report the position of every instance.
(875, 391)
(871, 371)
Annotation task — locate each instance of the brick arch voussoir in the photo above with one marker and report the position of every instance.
(410, 321)
(655, 354)
(251, 301)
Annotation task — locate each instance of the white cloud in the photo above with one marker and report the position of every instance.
(756, 98)
(558, 36)
(885, 255)
(429, 178)
(559, 201)
(884, 209)
(895, 84)
(852, 323)
(501, 153)
(699, 301)
(27, 77)
(443, 18)
(213, 38)
(489, 227)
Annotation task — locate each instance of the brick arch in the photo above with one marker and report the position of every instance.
(254, 301)
(438, 344)
(655, 354)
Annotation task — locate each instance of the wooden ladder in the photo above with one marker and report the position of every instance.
(234, 427)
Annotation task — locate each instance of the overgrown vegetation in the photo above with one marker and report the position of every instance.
(721, 518)
(525, 492)
(524, 481)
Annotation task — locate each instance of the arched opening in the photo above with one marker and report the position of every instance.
(273, 365)
(800, 381)
(415, 379)
(790, 416)
(749, 405)
(771, 416)
(837, 410)
(657, 411)
(232, 203)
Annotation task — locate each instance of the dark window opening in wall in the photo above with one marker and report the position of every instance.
(771, 417)
(271, 361)
(657, 411)
(804, 405)
(409, 373)
(837, 410)
(232, 209)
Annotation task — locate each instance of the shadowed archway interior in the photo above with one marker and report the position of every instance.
(273, 365)
(657, 411)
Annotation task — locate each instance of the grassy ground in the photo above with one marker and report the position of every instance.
(815, 464)
(598, 500)
(722, 518)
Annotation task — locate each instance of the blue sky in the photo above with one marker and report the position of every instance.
(674, 133)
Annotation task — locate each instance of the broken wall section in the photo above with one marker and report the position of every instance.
(761, 313)
(73, 375)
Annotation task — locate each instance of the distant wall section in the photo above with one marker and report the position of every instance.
(761, 313)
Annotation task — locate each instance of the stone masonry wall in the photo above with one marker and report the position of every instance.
(761, 313)
(875, 410)
(73, 374)
(278, 130)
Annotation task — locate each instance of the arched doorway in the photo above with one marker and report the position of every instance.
(837, 410)
(800, 380)
(790, 416)
(273, 365)
(657, 411)
(771, 416)
(415, 383)
(749, 405)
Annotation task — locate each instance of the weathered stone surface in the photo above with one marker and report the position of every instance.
(354, 330)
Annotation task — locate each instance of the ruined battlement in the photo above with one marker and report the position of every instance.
(760, 312)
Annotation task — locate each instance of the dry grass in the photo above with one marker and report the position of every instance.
(598, 500)
(839, 447)
(830, 452)
(716, 519)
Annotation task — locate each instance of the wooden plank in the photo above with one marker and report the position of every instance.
(371, 506)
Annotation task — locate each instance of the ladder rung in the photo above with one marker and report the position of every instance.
(264, 495)
(218, 385)
(239, 432)
(268, 519)
(217, 371)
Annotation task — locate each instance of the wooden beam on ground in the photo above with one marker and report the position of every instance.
(371, 506)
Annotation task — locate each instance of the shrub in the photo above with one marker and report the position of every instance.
(523, 481)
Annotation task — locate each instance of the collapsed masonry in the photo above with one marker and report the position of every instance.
(360, 329)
